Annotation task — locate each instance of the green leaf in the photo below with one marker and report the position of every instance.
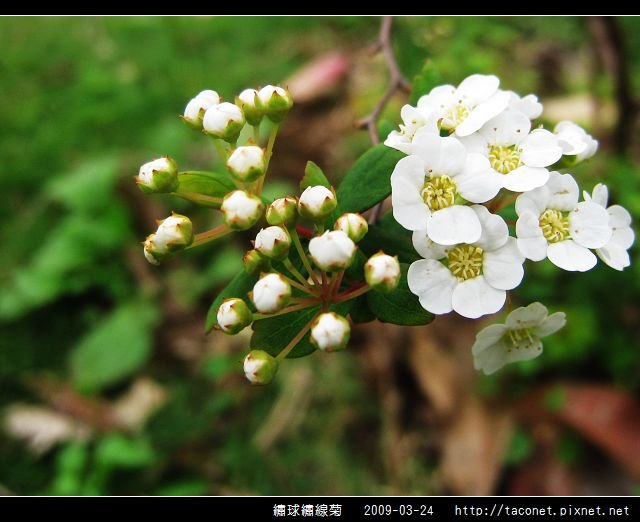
(116, 348)
(400, 306)
(212, 184)
(239, 286)
(426, 80)
(392, 238)
(369, 180)
(313, 176)
(273, 335)
(360, 311)
(118, 451)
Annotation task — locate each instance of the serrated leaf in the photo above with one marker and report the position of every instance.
(273, 335)
(239, 286)
(212, 184)
(400, 306)
(369, 180)
(428, 78)
(116, 348)
(313, 176)
(392, 238)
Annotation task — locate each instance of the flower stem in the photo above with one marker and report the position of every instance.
(297, 285)
(303, 256)
(296, 273)
(287, 310)
(223, 153)
(256, 134)
(335, 285)
(196, 197)
(292, 344)
(267, 156)
(210, 235)
(347, 296)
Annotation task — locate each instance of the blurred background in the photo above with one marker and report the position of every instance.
(108, 384)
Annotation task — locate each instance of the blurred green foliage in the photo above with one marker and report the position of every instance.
(85, 101)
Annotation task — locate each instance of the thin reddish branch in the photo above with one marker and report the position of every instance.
(397, 82)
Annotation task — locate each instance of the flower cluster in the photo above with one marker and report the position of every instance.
(471, 151)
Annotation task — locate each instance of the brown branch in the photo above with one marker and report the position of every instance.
(397, 82)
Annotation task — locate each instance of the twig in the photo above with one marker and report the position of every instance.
(397, 82)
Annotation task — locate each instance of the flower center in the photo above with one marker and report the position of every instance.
(554, 225)
(504, 158)
(513, 337)
(439, 192)
(465, 261)
(455, 116)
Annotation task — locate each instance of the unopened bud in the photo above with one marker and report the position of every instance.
(330, 332)
(382, 272)
(276, 102)
(224, 121)
(283, 211)
(152, 252)
(332, 251)
(234, 316)
(354, 225)
(241, 210)
(195, 109)
(174, 233)
(246, 163)
(316, 203)
(249, 101)
(271, 293)
(273, 242)
(254, 261)
(158, 176)
(260, 367)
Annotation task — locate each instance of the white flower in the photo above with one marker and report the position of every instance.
(271, 293)
(195, 109)
(174, 232)
(516, 340)
(468, 278)
(527, 105)
(469, 106)
(413, 120)
(425, 187)
(241, 210)
(330, 332)
(333, 250)
(234, 316)
(260, 367)
(382, 272)
(275, 101)
(273, 242)
(551, 223)
(249, 101)
(160, 175)
(224, 121)
(520, 156)
(354, 225)
(247, 163)
(317, 202)
(575, 141)
(614, 253)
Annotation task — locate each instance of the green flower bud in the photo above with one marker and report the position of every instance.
(271, 293)
(249, 101)
(283, 211)
(354, 225)
(234, 316)
(273, 242)
(332, 251)
(316, 203)
(158, 176)
(276, 102)
(330, 332)
(224, 121)
(195, 109)
(254, 262)
(246, 163)
(241, 210)
(382, 272)
(260, 367)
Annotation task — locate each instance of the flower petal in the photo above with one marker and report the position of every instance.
(455, 224)
(508, 128)
(524, 179)
(494, 229)
(487, 337)
(440, 155)
(589, 225)
(535, 201)
(492, 360)
(503, 268)
(622, 237)
(478, 182)
(476, 144)
(614, 256)
(477, 88)
(540, 149)
(433, 283)
(407, 181)
(527, 316)
(482, 113)
(600, 194)
(439, 97)
(427, 248)
(563, 191)
(526, 349)
(570, 256)
(527, 105)
(399, 141)
(474, 298)
(619, 217)
(531, 241)
(551, 324)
